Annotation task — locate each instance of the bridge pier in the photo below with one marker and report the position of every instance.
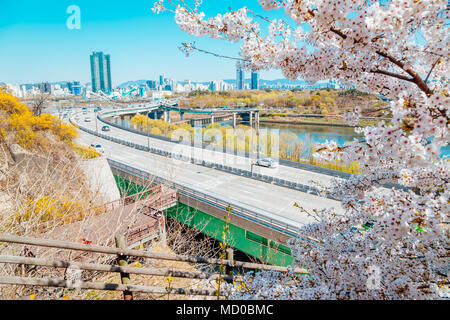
(167, 116)
(234, 120)
(257, 123)
(212, 119)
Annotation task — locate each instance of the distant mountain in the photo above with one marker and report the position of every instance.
(131, 84)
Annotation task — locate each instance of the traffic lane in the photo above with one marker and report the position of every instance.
(282, 172)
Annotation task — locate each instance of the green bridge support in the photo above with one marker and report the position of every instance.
(250, 243)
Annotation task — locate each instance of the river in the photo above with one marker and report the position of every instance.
(311, 134)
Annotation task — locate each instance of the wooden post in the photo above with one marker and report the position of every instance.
(229, 269)
(162, 229)
(125, 277)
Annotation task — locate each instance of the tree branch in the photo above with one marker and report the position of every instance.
(415, 77)
(392, 74)
(431, 70)
(212, 53)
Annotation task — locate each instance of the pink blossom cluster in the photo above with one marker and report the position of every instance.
(397, 210)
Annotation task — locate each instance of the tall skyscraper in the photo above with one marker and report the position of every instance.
(239, 77)
(74, 87)
(45, 87)
(254, 85)
(151, 84)
(101, 72)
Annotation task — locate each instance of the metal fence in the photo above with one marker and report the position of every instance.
(123, 268)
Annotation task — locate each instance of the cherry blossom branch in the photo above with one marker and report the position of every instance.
(190, 47)
(431, 70)
(415, 77)
(394, 75)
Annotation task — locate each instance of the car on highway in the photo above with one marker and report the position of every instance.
(106, 128)
(98, 147)
(87, 119)
(267, 162)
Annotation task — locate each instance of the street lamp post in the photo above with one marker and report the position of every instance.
(148, 133)
(96, 125)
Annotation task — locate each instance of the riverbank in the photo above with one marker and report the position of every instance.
(306, 122)
(298, 120)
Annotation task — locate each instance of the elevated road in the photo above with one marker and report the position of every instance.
(263, 198)
(237, 161)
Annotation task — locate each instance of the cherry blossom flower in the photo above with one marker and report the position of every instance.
(396, 209)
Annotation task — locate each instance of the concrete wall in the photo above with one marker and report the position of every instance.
(101, 180)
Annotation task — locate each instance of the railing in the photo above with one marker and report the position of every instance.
(122, 257)
(140, 233)
(285, 228)
(107, 207)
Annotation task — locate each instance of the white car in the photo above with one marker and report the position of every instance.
(267, 162)
(87, 120)
(98, 147)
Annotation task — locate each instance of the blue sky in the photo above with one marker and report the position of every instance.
(36, 45)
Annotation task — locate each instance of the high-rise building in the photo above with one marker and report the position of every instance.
(74, 87)
(151, 84)
(254, 83)
(142, 90)
(45, 87)
(218, 85)
(101, 72)
(239, 77)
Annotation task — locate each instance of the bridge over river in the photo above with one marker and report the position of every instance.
(162, 110)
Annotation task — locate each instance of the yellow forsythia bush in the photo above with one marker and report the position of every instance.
(45, 209)
(86, 152)
(159, 127)
(17, 117)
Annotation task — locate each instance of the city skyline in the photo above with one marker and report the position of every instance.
(142, 43)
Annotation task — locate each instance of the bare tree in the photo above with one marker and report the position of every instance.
(38, 104)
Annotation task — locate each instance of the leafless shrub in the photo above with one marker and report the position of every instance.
(38, 104)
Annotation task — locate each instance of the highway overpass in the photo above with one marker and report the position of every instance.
(258, 197)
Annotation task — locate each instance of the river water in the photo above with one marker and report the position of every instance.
(311, 134)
